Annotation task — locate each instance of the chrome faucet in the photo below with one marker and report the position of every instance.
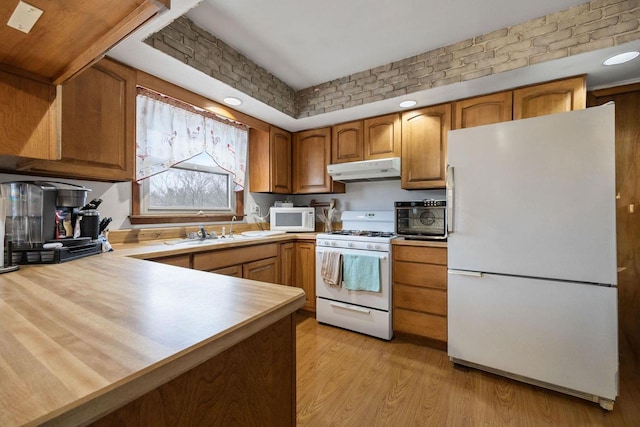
(202, 232)
(231, 226)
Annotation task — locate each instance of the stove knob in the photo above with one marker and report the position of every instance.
(333, 243)
(369, 246)
(350, 245)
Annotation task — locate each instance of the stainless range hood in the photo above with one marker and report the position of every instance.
(366, 170)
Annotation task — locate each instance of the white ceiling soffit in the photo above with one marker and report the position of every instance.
(305, 42)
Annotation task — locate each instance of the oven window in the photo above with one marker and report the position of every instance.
(421, 221)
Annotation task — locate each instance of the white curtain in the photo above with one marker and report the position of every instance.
(167, 134)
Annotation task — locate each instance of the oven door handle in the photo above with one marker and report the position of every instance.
(350, 307)
(450, 206)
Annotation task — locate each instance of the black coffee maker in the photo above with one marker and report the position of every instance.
(41, 224)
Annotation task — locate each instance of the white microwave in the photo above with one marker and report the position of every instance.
(292, 219)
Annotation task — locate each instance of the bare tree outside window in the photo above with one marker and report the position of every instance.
(194, 185)
(189, 189)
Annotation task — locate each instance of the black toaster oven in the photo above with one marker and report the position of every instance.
(422, 219)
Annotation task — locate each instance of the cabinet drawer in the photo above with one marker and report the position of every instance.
(214, 260)
(421, 324)
(420, 299)
(425, 275)
(426, 255)
(177, 260)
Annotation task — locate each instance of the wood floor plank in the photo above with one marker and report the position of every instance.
(349, 379)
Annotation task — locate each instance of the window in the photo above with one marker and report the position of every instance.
(190, 163)
(194, 186)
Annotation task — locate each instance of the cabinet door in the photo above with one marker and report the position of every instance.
(270, 161)
(98, 125)
(382, 137)
(550, 98)
(264, 270)
(27, 118)
(311, 155)
(287, 263)
(280, 142)
(347, 142)
(306, 272)
(424, 147)
(484, 110)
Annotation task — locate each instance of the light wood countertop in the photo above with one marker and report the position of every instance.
(162, 248)
(81, 338)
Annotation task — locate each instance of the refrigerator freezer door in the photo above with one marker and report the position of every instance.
(536, 197)
(561, 333)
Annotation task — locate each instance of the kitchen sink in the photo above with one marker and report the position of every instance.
(262, 233)
(205, 242)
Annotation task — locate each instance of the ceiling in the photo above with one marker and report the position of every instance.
(307, 42)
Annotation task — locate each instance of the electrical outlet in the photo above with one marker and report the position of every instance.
(255, 209)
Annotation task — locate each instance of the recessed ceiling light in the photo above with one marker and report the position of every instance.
(621, 58)
(407, 104)
(230, 100)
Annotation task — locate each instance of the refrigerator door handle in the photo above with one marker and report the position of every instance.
(465, 273)
(450, 185)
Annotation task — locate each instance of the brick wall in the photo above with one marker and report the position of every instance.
(583, 28)
(185, 41)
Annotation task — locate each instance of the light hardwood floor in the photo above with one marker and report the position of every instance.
(349, 379)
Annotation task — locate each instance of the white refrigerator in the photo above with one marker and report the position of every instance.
(532, 251)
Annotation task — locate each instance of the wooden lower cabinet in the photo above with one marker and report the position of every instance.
(264, 270)
(287, 263)
(251, 262)
(177, 260)
(420, 291)
(233, 271)
(253, 383)
(305, 272)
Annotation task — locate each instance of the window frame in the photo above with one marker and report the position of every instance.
(156, 84)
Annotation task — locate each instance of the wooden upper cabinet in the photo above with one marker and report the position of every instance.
(424, 147)
(382, 137)
(270, 161)
(550, 98)
(311, 155)
(347, 142)
(70, 34)
(483, 110)
(28, 111)
(98, 125)
(374, 138)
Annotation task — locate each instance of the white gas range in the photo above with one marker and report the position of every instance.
(367, 236)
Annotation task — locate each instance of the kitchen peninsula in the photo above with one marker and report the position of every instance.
(137, 341)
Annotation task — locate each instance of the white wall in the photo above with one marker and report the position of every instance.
(375, 195)
(116, 199)
(358, 196)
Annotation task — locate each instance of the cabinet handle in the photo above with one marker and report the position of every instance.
(465, 273)
(450, 189)
(350, 307)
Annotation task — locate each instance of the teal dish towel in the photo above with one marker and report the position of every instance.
(361, 272)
